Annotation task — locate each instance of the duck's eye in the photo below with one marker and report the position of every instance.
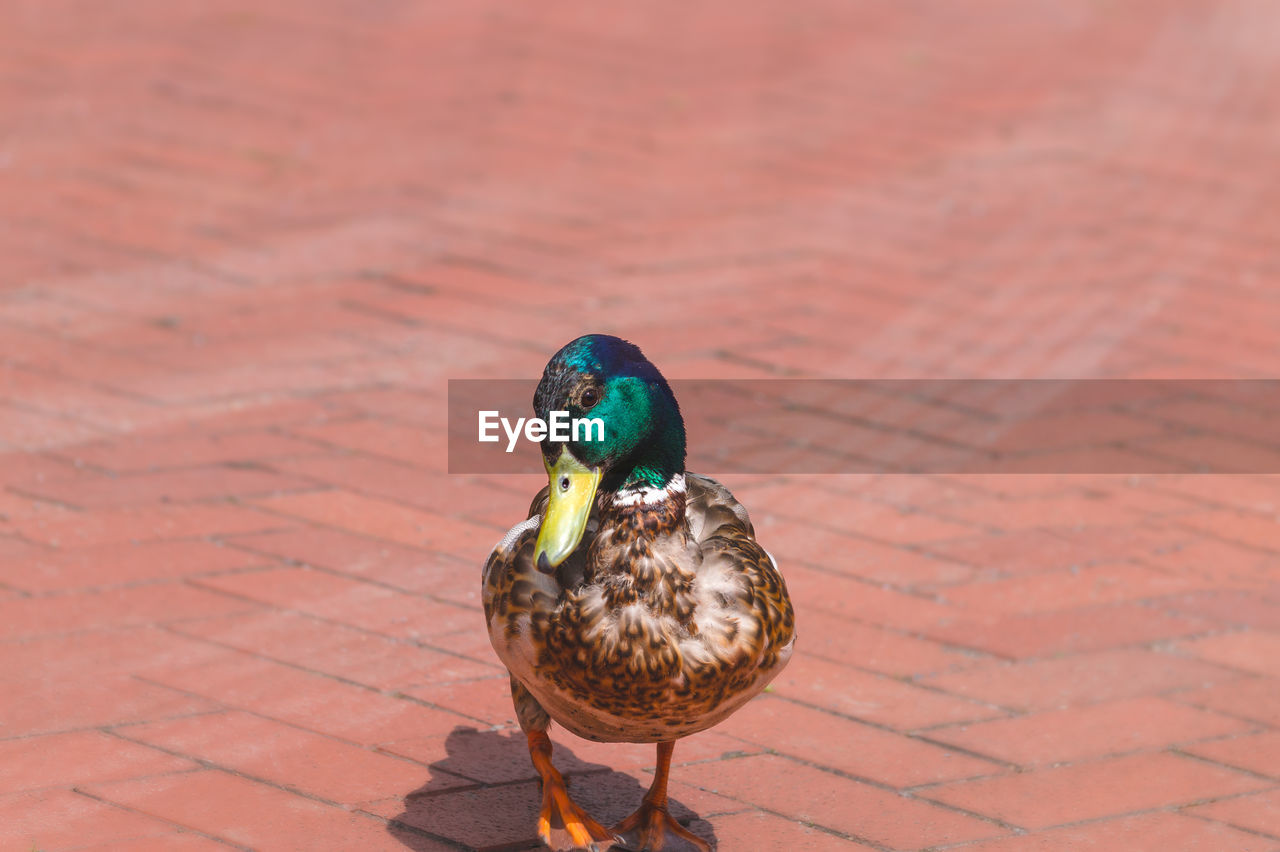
(590, 397)
(564, 483)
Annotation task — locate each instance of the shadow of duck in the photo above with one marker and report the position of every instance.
(484, 796)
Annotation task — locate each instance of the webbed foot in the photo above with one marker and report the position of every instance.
(646, 830)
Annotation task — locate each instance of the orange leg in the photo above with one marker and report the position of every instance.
(645, 830)
(559, 815)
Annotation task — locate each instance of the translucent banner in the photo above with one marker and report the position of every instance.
(918, 426)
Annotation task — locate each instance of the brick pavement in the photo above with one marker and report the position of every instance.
(244, 246)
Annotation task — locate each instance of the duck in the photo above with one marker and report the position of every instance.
(633, 604)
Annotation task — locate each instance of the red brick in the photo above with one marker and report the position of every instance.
(333, 597)
(197, 483)
(13, 549)
(1250, 530)
(1226, 454)
(200, 520)
(237, 414)
(1083, 791)
(398, 482)
(1044, 512)
(1064, 429)
(86, 680)
(1080, 679)
(383, 519)
(337, 550)
(790, 541)
(897, 566)
(374, 559)
(485, 699)
(1260, 812)
(51, 820)
(1161, 510)
(1064, 631)
(1015, 485)
(1255, 494)
(177, 842)
(1159, 832)
(472, 643)
(199, 386)
(1254, 698)
(878, 649)
(396, 441)
(759, 830)
(332, 649)
(1243, 609)
(79, 757)
(1065, 736)
(94, 405)
(1034, 551)
(1219, 561)
(246, 812)
(850, 747)
(117, 564)
(848, 598)
(908, 489)
(1091, 585)
(880, 522)
(151, 452)
(158, 603)
(303, 699)
(1215, 416)
(819, 798)
(21, 467)
(1258, 753)
(224, 354)
(1251, 651)
(285, 756)
(873, 698)
(19, 512)
(395, 403)
(35, 430)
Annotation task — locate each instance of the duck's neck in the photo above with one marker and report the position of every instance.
(645, 514)
(646, 491)
(655, 469)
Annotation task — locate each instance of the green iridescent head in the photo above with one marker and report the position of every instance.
(643, 441)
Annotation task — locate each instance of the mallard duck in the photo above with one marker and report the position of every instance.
(634, 604)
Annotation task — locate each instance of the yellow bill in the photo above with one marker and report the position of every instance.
(573, 493)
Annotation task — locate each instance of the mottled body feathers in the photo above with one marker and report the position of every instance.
(666, 618)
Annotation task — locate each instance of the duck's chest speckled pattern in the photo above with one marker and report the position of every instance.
(662, 629)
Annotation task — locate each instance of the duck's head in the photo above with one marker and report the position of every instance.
(641, 445)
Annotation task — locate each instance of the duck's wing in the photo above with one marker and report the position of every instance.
(515, 594)
(744, 619)
(519, 600)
